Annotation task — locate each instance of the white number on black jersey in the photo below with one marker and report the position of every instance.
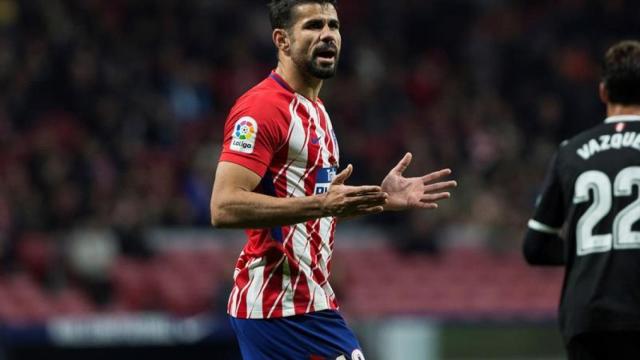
(622, 237)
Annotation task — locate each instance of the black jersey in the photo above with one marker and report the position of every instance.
(592, 194)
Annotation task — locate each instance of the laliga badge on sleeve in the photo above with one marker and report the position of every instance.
(243, 137)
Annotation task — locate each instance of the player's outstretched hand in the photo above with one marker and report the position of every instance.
(350, 201)
(416, 192)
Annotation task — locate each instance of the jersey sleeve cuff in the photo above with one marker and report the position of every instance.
(256, 166)
(543, 228)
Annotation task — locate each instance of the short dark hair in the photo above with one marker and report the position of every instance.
(621, 73)
(280, 11)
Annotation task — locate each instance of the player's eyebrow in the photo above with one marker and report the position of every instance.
(318, 23)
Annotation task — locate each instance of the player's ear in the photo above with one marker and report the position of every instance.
(604, 94)
(281, 40)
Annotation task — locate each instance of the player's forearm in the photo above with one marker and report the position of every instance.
(254, 210)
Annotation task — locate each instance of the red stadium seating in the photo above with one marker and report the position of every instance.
(462, 283)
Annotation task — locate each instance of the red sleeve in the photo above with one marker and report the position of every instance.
(253, 132)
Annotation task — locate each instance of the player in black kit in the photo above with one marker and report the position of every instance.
(591, 199)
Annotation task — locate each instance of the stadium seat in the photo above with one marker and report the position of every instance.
(469, 282)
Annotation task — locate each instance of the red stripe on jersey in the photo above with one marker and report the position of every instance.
(333, 229)
(301, 292)
(316, 255)
(241, 284)
(281, 289)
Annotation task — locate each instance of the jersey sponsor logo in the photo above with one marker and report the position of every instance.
(244, 135)
(324, 177)
(616, 141)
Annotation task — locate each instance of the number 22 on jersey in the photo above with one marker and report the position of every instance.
(622, 236)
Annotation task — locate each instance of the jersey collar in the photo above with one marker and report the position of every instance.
(618, 118)
(278, 79)
(281, 81)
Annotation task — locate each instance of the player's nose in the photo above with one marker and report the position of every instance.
(328, 34)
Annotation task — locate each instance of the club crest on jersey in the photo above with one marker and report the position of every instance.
(324, 177)
(243, 138)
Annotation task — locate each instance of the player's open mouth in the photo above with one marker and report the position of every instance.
(326, 55)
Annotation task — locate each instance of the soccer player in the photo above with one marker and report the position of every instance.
(592, 193)
(278, 178)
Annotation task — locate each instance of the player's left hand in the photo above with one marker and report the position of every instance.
(416, 192)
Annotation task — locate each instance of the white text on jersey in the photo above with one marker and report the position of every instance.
(628, 139)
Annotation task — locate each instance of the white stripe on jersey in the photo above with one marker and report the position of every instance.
(286, 284)
(318, 298)
(294, 127)
(254, 292)
(304, 170)
(233, 298)
(334, 142)
(241, 292)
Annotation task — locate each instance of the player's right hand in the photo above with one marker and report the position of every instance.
(350, 201)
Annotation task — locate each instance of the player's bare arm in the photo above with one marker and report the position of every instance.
(421, 192)
(235, 205)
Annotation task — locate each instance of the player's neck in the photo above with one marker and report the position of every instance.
(618, 109)
(306, 86)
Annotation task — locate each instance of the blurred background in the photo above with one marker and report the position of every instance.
(111, 117)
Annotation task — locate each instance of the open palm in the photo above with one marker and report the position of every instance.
(415, 192)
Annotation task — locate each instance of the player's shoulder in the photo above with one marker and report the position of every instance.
(601, 138)
(267, 97)
(584, 136)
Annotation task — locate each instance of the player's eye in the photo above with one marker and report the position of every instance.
(314, 25)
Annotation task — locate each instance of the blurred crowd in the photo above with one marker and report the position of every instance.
(111, 111)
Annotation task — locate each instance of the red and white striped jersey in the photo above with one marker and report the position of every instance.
(288, 140)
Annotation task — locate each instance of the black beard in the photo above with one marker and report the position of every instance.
(321, 72)
(312, 68)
